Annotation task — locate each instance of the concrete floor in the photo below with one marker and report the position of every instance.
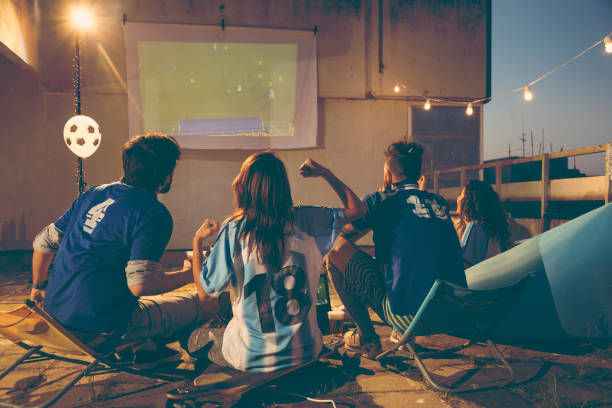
(544, 379)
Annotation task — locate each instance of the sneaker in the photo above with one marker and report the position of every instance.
(369, 348)
(149, 359)
(395, 336)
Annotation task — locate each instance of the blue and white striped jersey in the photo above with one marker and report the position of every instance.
(275, 322)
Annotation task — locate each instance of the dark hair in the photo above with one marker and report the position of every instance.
(149, 159)
(263, 199)
(406, 158)
(481, 203)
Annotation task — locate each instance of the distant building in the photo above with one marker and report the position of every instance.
(531, 171)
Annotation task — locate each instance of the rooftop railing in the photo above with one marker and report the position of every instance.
(544, 190)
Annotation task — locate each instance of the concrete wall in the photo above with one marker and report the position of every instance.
(19, 22)
(435, 48)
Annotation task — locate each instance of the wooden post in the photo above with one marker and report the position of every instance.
(545, 193)
(608, 186)
(498, 179)
(436, 186)
(462, 178)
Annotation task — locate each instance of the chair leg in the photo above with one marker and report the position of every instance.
(68, 386)
(402, 341)
(63, 391)
(20, 360)
(470, 387)
(424, 371)
(448, 350)
(501, 358)
(428, 354)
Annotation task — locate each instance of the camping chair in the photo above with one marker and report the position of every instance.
(466, 313)
(32, 329)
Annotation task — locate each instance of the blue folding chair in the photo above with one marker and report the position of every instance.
(466, 313)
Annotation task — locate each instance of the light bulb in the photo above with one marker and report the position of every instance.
(81, 18)
(396, 89)
(469, 109)
(427, 105)
(608, 44)
(527, 94)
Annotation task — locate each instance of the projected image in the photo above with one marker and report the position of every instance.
(218, 89)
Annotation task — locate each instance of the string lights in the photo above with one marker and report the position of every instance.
(82, 20)
(469, 109)
(527, 94)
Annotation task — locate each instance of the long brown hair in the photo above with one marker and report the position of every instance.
(263, 200)
(481, 203)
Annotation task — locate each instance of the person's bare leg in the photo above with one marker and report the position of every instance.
(340, 255)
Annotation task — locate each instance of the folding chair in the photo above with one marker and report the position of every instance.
(466, 313)
(32, 329)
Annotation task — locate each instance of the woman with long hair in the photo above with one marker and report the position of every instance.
(268, 255)
(482, 226)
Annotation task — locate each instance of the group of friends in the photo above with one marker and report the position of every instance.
(97, 271)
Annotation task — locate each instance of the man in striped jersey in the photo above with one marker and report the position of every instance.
(415, 244)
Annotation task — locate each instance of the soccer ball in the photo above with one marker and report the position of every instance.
(82, 135)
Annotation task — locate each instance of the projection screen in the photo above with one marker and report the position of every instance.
(238, 88)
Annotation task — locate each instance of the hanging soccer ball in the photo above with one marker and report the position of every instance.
(82, 135)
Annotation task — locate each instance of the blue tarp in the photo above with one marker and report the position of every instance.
(571, 294)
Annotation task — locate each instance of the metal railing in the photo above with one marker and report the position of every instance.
(543, 190)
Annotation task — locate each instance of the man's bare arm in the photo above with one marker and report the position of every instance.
(163, 282)
(41, 262)
(353, 206)
(45, 244)
(353, 234)
(208, 228)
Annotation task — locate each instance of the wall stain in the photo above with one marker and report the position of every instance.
(14, 236)
(339, 7)
(469, 14)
